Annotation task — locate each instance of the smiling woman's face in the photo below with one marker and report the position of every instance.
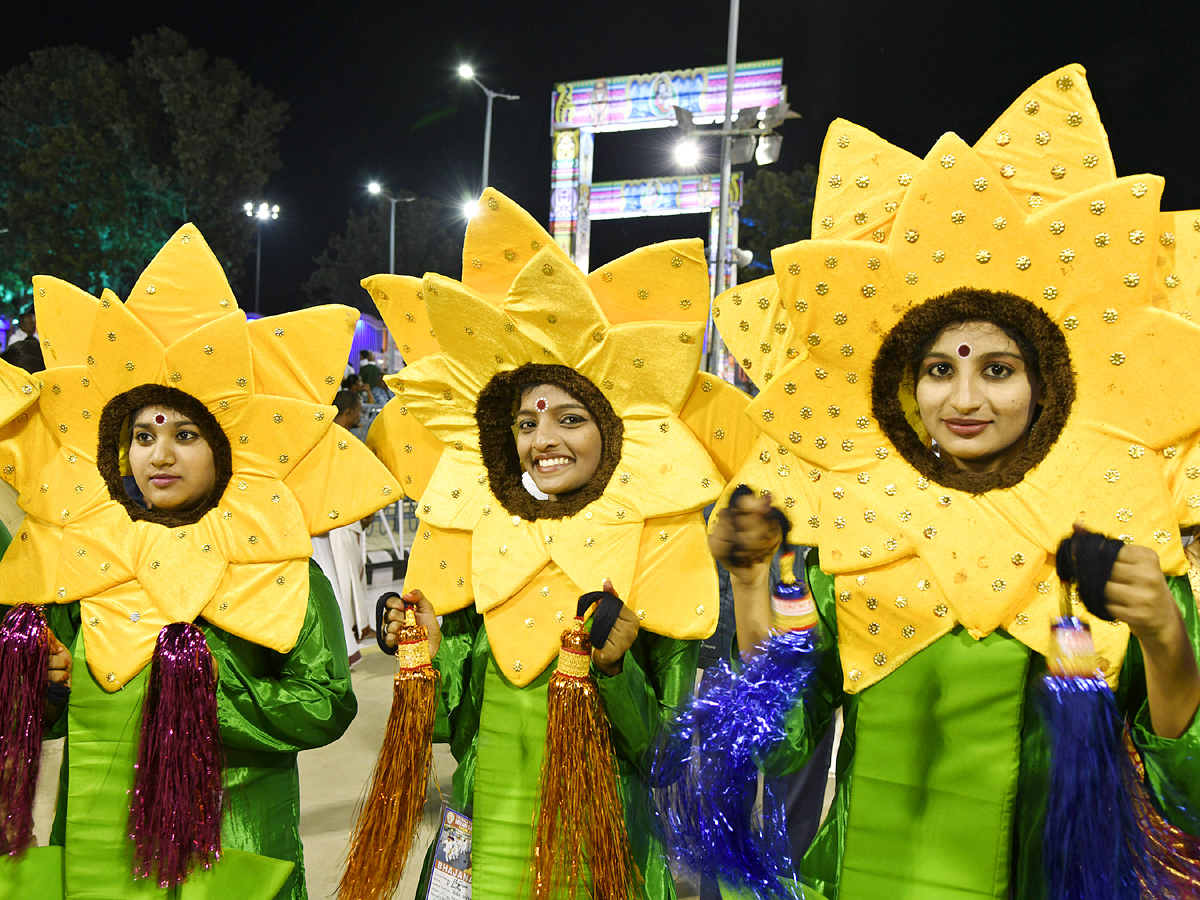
(558, 440)
(976, 395)
(170, 460)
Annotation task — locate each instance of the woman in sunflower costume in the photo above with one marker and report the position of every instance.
(1010, 303)
(588, 383)
(173, 461)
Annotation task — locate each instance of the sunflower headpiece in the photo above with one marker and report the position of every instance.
(1029, 227)
(626, 340)
(260, 391)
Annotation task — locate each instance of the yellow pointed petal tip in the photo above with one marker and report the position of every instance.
(1033, 208)
(266, 385)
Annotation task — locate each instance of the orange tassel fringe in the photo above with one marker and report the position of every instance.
(387, 823)
(581, 820)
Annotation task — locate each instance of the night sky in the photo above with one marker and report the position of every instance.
(374, 93)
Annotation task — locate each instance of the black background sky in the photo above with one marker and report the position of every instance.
(374, 93)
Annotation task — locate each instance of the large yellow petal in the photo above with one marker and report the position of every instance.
(500, 241)
(401, 302)
(715, 414)
(272, 599)
(863, 177)
(338, 482)
(302, 354)
(123, 351)
(665, 282)
(405, 446)
(221, 346)
(120, 630)
(439, 565)
(64, 317)
(183, 288)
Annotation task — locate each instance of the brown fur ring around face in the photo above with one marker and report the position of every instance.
(891, 379)
(108, 450)
(494, 417)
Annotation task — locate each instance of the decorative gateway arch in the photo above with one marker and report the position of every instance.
(580, 109)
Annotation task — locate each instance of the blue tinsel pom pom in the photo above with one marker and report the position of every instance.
(705, 772)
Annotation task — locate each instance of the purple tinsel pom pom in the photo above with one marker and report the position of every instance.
(175, 818)
(705, 771)
(24, 664)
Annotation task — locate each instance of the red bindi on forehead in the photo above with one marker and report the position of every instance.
(160, 419)
(964, 350)
(540, 404)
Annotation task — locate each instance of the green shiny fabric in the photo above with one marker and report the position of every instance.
(497, 732)
(942, 770)
(270, 706)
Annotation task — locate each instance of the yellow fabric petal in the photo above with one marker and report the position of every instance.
(208, 363)
(302, 354)
(96, 553)
(123, 352)
(477, 339)
(71, 405)
(178, 576)
(457, 492)
(506, 555)
(26, 447)
(675, 591)
(663, 470)
(401, 302)
(261, 521)
(665, 282)
(64, 317)
(405, 446)
(183, 288)
(501, 239)
(271, 600)
(715, 414)
(268, 436)
(1053, 123)
(64, 492)
(120, 628)
(524, 631)
(846, 206)
(632, 352)
(439, 565)
(28, 569)
(338, 482)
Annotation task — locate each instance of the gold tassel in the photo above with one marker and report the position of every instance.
(387, 823)
(581, 820)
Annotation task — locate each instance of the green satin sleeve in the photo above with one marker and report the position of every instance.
(657, 674)
(1172, 764)
(461, 661)
(286, 702)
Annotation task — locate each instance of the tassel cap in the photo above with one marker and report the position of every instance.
(412, 647)
(575, 652)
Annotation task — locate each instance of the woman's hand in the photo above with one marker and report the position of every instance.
(745, 539)
(610, 658)
(59, 672)
(424, 614)
(1138, 595)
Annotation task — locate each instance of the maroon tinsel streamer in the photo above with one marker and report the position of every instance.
(175, 817)
(24, 675)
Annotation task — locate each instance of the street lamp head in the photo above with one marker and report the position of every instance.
(687, 153)
(374, 187)
(465, 71)
(469, 208)
(249, 208)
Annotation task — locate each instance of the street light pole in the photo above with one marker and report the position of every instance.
(262, 213)
(376, 188)
(468, 73)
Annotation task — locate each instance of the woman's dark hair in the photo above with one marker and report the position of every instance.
(896, 369)
(495, 414)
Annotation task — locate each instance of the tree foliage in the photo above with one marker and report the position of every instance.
(428, 239)
(776, 210)
(102, 158)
